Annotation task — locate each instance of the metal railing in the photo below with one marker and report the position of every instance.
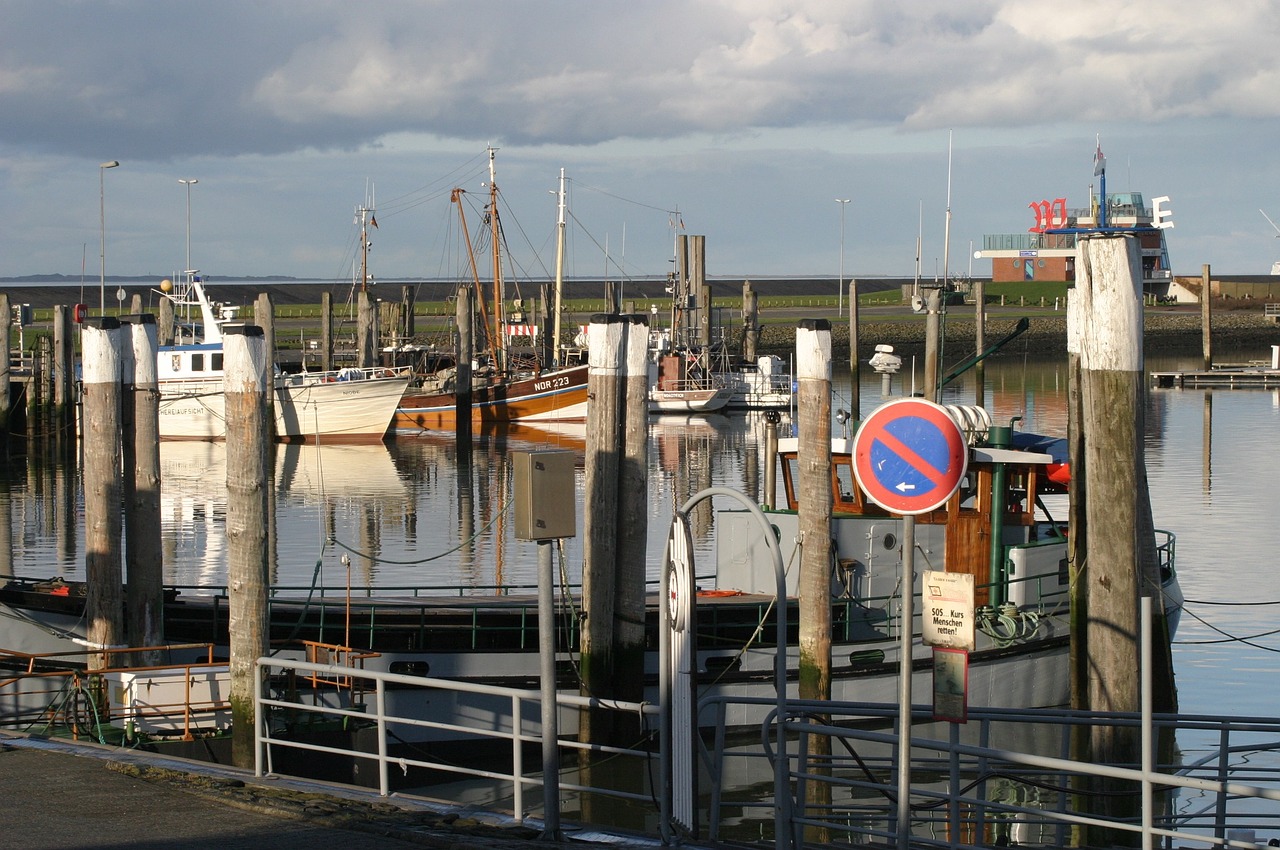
(475, 715)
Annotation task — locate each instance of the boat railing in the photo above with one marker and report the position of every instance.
(54, 694)
(345, 374)
(506, 720)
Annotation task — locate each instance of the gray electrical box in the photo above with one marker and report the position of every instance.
(545, 503)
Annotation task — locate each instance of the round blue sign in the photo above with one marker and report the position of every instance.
(909, 456)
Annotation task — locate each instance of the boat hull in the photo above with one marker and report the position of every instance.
(551, 397)
(305, 409)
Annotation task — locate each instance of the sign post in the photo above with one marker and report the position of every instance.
(909, 457)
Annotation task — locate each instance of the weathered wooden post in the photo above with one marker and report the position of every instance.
(633, 510)
(246, 367)
(606, 341)
(164, 324)
(1206, 316)
(64, 358)
(6, 367)
(104, 604)
(750, 323)
(855, 370)
(144, 561)
(366, 331)
(980, 340)
(1105, 324)
(264, 316)
(407, 327)
(698, 286)
(813, 409)
(464, 317)
(326, 331)
(932, 341)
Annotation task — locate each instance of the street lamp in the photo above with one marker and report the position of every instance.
(102, 224)
(840, 292)
(188, 183)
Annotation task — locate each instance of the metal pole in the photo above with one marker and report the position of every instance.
(188, 184)
(904, 684)
(102, 228)
(550, 733)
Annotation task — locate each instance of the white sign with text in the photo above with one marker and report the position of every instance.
(948, 609)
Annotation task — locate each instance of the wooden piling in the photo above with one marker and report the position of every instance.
(366, 331)
(813, 406)
(246, 367)
(932, 342)
(855, 370)
(1206, 311)
(633, 511)
(104, 603)
(465, 321)
(606, 341)
(980, 340)
(6, 367)
(326, 331)
(407, 326)
(165, 322)
(750, 323)
(1105, 325)
(64, 358)
(144, 560)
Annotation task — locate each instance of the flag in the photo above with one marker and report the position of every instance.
(1099, 161)
(373, 219)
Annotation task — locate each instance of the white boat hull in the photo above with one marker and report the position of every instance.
(305, 408)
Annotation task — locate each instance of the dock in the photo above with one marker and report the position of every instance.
(1259, 375)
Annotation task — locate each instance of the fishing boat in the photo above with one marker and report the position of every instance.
(1022, 629)
(679, 386)
(349, 404)
(514, 378)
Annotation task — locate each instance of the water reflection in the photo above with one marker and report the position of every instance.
(413, 512)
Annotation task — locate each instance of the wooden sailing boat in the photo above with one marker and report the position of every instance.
(533, 385)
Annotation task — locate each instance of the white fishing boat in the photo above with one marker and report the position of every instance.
(349, 405)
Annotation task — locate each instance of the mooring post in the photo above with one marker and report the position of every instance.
(1206, 316)
(980, 341)
(813, 405)
(144, 561)
(64, 358)
(246, 367)
(6, 367)
(326, 332)
(465, 320)
(1105, 325)
(104, 604)
(932, 342)
(633, 510)
(606, 341)
(750, 322)
(855, 371)
(367, 331)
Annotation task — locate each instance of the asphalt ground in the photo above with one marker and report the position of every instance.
(66, 796)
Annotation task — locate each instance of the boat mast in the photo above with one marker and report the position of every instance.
(498, 339)
(456, 198)
(365, 216)
(560, 234)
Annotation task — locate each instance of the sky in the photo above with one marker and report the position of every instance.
(744, 121)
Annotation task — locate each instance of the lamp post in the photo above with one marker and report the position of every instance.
(188, 183)
(102, 226)
(840, 291)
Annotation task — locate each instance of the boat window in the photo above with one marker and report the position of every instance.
(197, 362)
(217, 362)
(175, 361)
(846, 487)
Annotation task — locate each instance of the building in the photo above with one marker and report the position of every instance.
(1047, 250)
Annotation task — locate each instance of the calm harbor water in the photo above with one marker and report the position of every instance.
(412, 513)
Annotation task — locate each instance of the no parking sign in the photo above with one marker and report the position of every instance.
(909, 456)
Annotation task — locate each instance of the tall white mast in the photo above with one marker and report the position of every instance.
(560, 223)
